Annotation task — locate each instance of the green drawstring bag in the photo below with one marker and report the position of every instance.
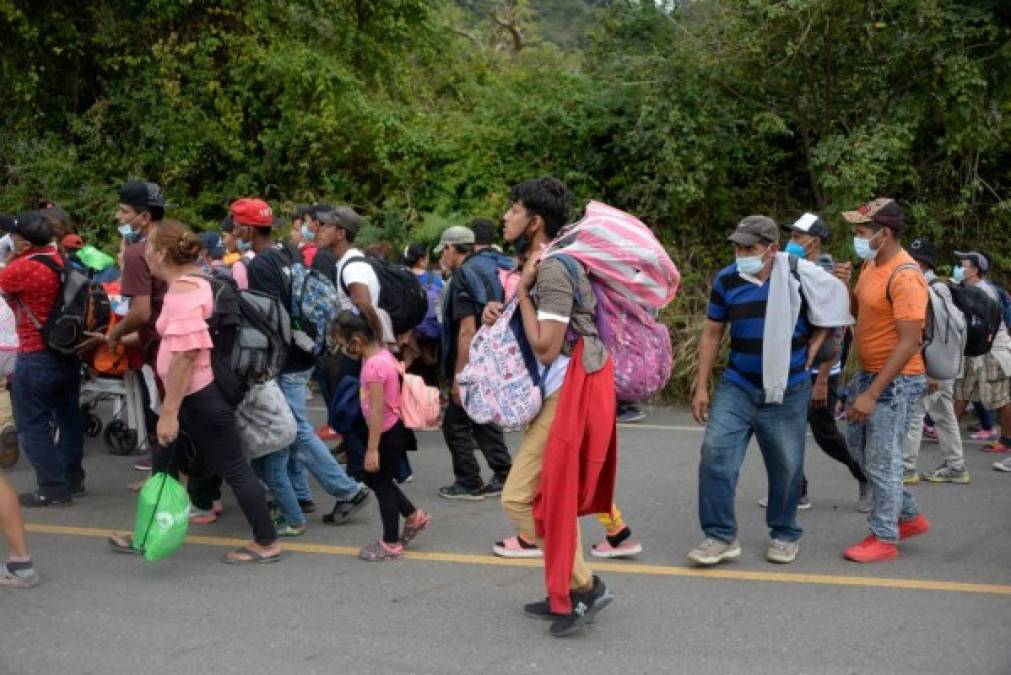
(163, 517)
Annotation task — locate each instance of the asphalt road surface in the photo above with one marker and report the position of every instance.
(450, 607)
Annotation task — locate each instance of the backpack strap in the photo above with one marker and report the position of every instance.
(60, 270)
(794, 265)
(903, 266)
(571, 266)
(340, 272)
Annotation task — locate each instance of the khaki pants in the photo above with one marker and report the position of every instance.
(524, 478)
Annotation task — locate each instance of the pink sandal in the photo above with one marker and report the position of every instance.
(418, 521)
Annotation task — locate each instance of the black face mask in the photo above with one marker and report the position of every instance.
(522, 244)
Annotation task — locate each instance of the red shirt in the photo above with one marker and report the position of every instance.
(138, 281)
(36, 286)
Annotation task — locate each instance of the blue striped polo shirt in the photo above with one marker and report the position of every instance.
(741, 303)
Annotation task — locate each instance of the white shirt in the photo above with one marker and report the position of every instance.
(559, 367)
(358, 272)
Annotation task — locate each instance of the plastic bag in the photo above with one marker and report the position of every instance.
(163, 517)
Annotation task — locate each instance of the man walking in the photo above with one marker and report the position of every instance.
(471, 287)
(938, 403)
(890, 303)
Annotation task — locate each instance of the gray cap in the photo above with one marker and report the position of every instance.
(458, 234)
(343, 217)
(754, 229)
(977, 258)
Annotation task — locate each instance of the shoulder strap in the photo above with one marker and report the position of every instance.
(794, 265)
(571, 266)
(340, 270)
(891, 277)
(60, 270)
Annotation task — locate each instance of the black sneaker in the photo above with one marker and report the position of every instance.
(493, 488)
(77, 489)
(37, 500)
(344, 508)
(540, 610)
(457, 491)
(584, 608)
(307, 505)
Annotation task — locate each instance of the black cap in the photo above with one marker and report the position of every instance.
(142, 193)
(811, 224)
(32, 226)
(317, 209)
(923, 250)
(484, 231)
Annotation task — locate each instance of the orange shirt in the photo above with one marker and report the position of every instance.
(876, 334)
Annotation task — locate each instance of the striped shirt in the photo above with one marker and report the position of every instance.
(741, 303)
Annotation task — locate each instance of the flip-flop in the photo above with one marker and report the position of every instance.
(120, 548)
(254, 557)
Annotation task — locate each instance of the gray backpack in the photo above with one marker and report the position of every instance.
(944, 332)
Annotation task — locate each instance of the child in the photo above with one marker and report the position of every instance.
(361, 336)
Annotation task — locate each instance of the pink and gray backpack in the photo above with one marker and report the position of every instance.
(501, 384)
(631, 274)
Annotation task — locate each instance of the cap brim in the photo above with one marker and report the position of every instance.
(856, 217)
(439, 248)
(962, 255)
(744, 238)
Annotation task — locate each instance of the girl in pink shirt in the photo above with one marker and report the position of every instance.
(194, 409)
(361, 336)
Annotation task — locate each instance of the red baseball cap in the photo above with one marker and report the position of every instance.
(72, 241)
(253, 213)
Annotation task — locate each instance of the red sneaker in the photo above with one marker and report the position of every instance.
(872, 549)
(327, 435)
(916, 525)
(996, 446)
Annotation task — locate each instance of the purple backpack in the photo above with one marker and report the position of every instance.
(639, 345)
(501, 383)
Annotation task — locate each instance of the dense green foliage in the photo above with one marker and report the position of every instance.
(422, 113)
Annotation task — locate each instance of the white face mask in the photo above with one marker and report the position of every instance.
(751, 264)
(862, 247)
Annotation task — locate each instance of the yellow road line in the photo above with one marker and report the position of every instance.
(618, 567)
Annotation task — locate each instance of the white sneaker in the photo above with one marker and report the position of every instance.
(781, 551)
(1003, 466)
(803, 504)
(712, 551)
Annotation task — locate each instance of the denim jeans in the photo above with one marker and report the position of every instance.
(299, 478)
(878, 444)
(45, 389)
(272, 469)
(736, 415)
(308, 448)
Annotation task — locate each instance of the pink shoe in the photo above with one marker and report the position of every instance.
(625, 549)
(995, 446)
(217, 508)
(929, 433)
(984, 435)
(514, 547)
(201, 517)
(381, 551)
(418, 521)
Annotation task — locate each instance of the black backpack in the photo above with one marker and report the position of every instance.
(251, 333)
(81, 305)
(400, 293)
(983, 317)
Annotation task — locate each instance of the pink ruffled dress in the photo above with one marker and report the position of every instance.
(182, 325)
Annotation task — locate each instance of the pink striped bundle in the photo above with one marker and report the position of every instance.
(621, 252)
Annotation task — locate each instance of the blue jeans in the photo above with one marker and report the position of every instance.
(878, 444)
(272, 469)
(308, 448)
(299, 478)
(45, 389)
(735, 416)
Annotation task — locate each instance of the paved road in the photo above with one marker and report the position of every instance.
(944, 607)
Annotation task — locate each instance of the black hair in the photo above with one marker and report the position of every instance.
(157, 212)
(351, 323)
(414, 253)
(545, 197)
(484, 231)
(465, 249)
(35, 227)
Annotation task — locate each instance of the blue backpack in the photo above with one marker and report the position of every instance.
(345, 414)
(313, 306)
(430, 328)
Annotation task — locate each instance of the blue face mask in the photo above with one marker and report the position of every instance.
(862, 247)
(308, 234)
(244, 246)
(793, 248)
(125, 231)
(750, 264)
(958, 274)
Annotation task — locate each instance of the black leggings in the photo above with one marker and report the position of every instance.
(209, 421)
(392, 502)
